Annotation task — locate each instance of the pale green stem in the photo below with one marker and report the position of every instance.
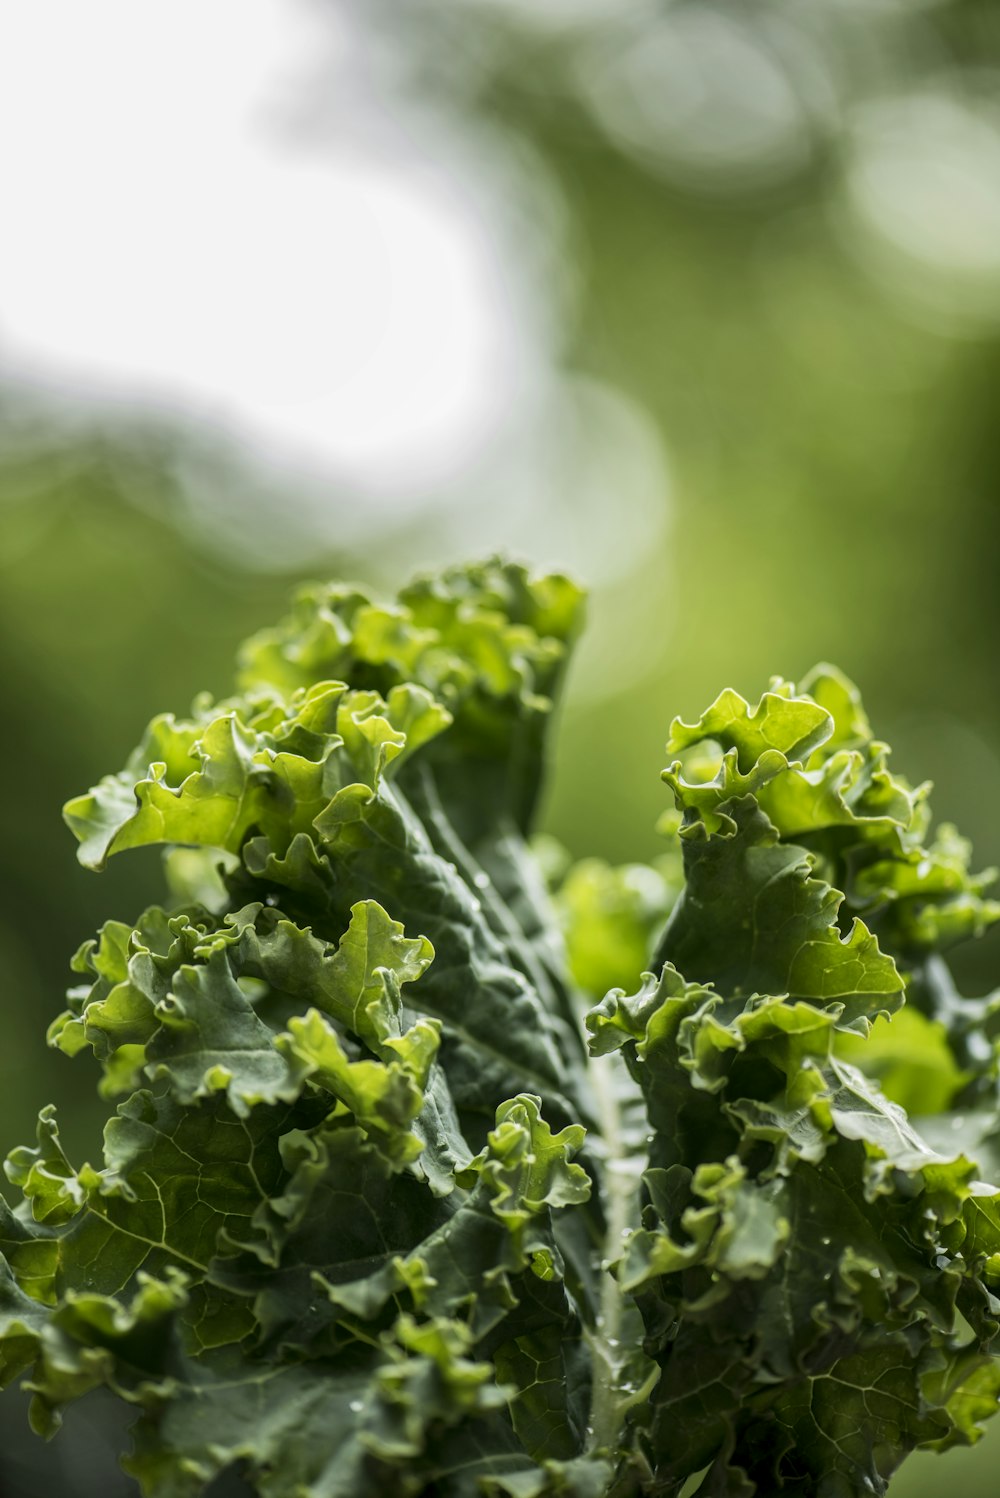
(620, 1183)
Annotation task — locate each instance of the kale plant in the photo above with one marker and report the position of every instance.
(371, 1219)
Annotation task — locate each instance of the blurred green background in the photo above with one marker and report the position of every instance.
(738, 283)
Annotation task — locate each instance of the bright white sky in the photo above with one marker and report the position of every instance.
(167, 241)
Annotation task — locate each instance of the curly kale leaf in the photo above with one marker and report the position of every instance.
(368, 1218)
(814, 1279)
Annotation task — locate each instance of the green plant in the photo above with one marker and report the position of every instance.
(369, 1217)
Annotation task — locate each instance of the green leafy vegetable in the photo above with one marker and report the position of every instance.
(372, 1218)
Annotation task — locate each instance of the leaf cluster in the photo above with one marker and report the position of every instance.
(371, 1215)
